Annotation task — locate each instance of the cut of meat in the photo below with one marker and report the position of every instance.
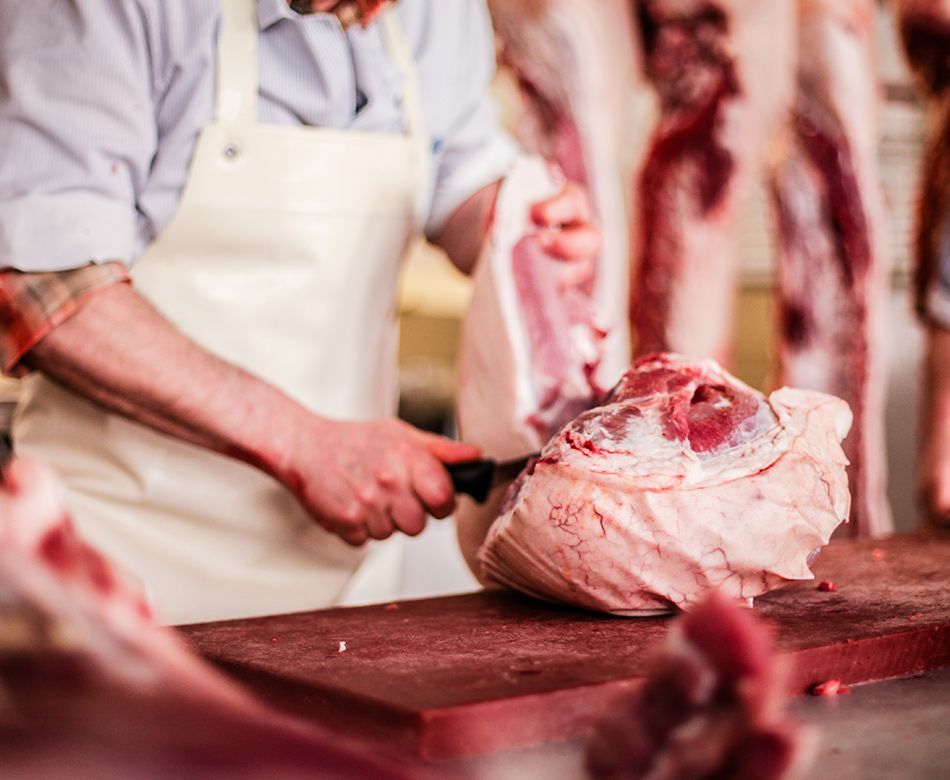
(713, 706)
(832, 260)
(723, 73)
(574, 63)
(91, 686)
(685, 480)
(532, 342)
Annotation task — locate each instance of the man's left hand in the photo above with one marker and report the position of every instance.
(567, 230)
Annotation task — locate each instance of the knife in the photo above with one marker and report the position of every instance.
(477, 478)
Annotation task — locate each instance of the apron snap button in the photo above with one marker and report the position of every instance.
(231, 151)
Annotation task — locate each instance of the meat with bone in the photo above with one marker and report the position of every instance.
(574, 63)
(532, 344)
(91, 686)
(685, 480)
(713, 706)
(925, 30)
(832, 259)
(723, 73)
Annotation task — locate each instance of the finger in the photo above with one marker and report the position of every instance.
(408, 515)
(337, 512)
(573, 243)
(380, 525)
(431, 483)
(576, 274)
(356, 537)
(447, 450)
(374, 509)
(570, 206)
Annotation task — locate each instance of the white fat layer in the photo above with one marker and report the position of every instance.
(642, 453)
(529, 181)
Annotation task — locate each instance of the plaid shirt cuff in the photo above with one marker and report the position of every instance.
(32, 304)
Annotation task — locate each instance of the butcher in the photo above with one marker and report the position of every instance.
(925, 31)
(203, 209)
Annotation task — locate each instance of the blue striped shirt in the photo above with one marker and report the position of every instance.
(102, 101)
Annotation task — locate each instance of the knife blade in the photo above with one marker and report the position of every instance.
(477, 478)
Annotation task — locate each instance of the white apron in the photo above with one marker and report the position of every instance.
(282, 258)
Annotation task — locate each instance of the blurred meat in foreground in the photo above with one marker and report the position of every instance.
(91, 686)
(714, 707)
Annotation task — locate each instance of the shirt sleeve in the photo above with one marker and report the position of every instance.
(32, 304)
(77, 131)
(475, 151)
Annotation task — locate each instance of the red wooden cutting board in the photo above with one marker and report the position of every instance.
(466, 674)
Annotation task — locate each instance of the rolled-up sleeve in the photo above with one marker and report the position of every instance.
(474, 151)
(32, 304)
(77, 132)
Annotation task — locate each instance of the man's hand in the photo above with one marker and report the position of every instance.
(567, 230)
(564, 226)
(370, 480)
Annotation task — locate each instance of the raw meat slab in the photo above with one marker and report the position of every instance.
(482, 672)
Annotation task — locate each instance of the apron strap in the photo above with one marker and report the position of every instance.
(411, 102)
(236, 98)
(398, 49)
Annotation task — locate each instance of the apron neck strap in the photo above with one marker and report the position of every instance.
(237, 77)
(236, 98)
(398, 50)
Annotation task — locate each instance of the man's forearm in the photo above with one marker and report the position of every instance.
(119, 352)
(465, 231)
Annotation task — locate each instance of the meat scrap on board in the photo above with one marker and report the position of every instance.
(91, 686)
(684, 481)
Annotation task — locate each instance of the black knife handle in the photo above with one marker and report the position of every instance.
(472, 477)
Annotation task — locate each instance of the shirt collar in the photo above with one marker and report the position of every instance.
(270, 12)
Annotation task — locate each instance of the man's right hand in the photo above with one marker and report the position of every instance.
(363, 480)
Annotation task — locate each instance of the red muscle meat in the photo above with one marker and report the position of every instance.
(713, 707)
(685, 480)
(90, 686)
